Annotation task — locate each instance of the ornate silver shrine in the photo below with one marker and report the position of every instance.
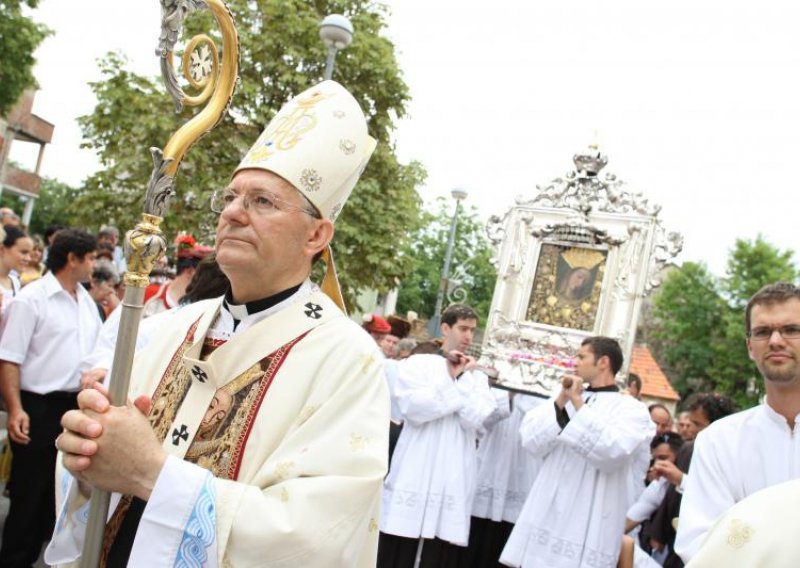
(575, 260)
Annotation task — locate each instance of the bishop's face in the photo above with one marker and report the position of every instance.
(265, 249)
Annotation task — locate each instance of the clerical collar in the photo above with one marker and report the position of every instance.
(607, 388)
(241, 311)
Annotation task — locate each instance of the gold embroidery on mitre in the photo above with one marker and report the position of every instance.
(583, 258)
(347, 146)
(373, 525)
(286, 131)
(282, 470)
(310, 179)
(260, 154)
(739, 533)
(358, 442)
(284, 495)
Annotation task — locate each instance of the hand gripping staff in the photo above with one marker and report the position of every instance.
(145, 244)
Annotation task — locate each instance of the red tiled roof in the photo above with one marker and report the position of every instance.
(655, 383)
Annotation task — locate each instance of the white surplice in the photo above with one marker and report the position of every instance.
(308, 478)
(575, 512)
(506, 470)
(430, 487)
(733, 458)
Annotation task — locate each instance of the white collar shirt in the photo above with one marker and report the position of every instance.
(47, 333)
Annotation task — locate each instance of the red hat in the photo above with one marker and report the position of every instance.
(199, 252)
(374, 323)
(189, 249)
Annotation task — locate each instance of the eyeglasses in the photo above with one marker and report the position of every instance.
(791, 331)
(262, 202)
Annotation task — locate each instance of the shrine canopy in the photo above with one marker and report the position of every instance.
(575, 259)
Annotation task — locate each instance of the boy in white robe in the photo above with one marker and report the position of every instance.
(429, 491)
(267, 437)
(591, 441)
(756, 448)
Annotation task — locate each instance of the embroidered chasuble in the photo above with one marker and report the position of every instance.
(277, 439)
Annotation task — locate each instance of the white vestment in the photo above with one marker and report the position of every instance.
(575, 512)
(733, 458)
(298, 458)
(506, 470)
(759, 531)
(430, 487)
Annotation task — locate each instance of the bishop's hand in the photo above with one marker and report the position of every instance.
(111, 447)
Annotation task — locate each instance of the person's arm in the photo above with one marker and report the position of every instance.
(16, 331)
(539, 431)
(479, 403)
(708, 494)
(421, 397)
(646, 505)
(608, 441)
(18, 420)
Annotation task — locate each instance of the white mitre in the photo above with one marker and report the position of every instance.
(319, 143)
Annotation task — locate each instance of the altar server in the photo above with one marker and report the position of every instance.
(428, 494)
(593, 441)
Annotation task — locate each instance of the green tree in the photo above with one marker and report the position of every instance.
(471, 252)
(686, 311)
(52, 205)
(19, 36)
(753, 264)
(280, 55)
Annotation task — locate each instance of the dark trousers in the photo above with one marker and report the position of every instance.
(487, 539)
(400, 552)
(31, 514)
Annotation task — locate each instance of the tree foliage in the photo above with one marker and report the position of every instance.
(471, 252)
(19, 36)
(698, 328)
(280, 56)
(687, 311)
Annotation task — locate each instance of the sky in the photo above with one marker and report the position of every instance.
(696, 104)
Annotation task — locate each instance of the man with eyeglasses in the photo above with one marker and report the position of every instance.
(757, 448)
(267, 437)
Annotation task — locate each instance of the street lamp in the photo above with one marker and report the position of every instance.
(434, 330)
(336, 32)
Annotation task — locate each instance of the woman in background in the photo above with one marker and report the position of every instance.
(15, 254)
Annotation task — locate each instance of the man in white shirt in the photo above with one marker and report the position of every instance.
(267, 437)
(48, 328)
(595, 447)
(756, 448)
(428, 494)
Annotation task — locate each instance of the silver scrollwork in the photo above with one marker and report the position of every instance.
(584, 191)
(159, 186)
(173, 14)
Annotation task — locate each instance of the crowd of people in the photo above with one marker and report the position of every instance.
(483, 476)
(266, 428)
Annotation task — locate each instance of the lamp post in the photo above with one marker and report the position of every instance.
(458, 194)
(336, 32)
